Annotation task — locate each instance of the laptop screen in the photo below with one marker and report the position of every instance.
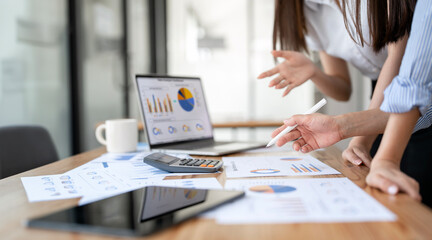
(173, 108)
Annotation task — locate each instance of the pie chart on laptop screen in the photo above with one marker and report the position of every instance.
(186, 99)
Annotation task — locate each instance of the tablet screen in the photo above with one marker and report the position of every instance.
(136, 213)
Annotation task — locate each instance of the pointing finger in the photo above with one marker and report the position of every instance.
(278, 130)
(288, 137)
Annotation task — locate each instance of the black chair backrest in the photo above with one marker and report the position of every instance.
(23, 148)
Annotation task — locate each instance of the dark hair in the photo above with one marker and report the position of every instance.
(388, 20)
(289, 25)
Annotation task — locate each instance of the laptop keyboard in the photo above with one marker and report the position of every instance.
(197, 145)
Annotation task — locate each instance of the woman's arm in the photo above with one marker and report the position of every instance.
(407, 96)
(359, 147)
(335, 80)
(315, 131)
(389, 71)
(385, 172)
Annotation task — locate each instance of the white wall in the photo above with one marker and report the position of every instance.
(233, 93)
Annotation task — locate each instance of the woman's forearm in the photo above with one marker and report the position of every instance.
(363, 123)
(389, 70)
(334, 81)
(396, 136)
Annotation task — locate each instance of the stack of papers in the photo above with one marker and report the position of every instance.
(267, 200)
(108, 175)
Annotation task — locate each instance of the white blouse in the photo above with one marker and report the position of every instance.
(327, 32)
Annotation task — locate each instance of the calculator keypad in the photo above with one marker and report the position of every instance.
(196, 162)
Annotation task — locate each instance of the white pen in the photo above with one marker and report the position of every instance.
(315, 108)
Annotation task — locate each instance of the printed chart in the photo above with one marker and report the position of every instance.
(271, 189)
(52, 187)
(265, 171)
(237, 167)
(300, 200)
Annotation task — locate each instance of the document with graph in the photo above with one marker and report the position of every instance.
(300, 200)
(306, 165)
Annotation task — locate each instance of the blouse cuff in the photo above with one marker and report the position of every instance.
(400, 97)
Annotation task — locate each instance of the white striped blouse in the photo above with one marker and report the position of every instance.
(413, 86)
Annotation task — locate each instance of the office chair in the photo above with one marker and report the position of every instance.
(23, 148)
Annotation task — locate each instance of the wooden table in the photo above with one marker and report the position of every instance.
(414, 219)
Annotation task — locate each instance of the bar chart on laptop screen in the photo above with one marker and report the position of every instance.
(159, 103)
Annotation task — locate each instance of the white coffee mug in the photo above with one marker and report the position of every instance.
(121, 135)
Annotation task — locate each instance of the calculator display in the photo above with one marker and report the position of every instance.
(166, 158)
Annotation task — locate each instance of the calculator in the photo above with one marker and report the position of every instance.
(182, 165)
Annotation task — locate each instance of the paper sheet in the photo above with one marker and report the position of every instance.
(130, 165)
(285, 148)
(306, 165)
(52, 187)
(77, 184)
(300, 200)
(105, 176)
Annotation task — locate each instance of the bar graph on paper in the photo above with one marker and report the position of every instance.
(301, 168)
(304, 165)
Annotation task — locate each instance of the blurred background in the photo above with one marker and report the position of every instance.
(70, 64)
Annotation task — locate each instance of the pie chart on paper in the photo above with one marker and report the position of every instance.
(186, 99)
(271, 189)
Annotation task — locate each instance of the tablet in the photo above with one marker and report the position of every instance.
(136, 213)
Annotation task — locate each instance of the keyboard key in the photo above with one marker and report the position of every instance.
(191, 163)
(199, 162)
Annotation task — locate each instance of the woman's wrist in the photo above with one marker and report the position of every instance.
(364, 123)
(316, 73)
(381, 161)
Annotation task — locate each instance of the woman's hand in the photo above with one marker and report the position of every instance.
(386, 176)
(358, 150)
(313, 131)
(293, 72)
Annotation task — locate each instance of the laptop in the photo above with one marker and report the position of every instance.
(176, 118)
